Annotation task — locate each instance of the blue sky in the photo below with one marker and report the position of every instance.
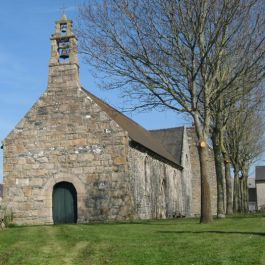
(26, 27)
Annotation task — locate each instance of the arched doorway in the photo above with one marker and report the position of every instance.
(64, 203)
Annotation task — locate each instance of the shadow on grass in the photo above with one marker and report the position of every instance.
(213, 232)
(247, 215)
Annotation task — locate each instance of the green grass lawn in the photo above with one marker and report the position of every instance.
(185, 241)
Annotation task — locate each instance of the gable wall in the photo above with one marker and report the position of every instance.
(186, 174)
(66, 137)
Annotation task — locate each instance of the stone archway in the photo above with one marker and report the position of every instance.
(47, 191)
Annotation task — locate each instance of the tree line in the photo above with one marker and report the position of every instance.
(200, 57)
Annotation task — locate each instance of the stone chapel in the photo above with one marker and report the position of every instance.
(75, 159)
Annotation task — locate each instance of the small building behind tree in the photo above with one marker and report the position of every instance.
(260, 187)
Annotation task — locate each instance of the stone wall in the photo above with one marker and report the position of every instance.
(157, 186)
(67, 137)
(196, 180)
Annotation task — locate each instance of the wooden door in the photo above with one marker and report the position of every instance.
(64, 201)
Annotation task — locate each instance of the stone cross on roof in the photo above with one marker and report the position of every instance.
(63, 9)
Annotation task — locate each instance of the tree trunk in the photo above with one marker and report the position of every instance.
(228, 179)
(218, 159)
(246, 197)
(229, 190)
(240, 195)
(202, 133)
(244, 191)
(245, 202)
(206, 211)
(236, 190)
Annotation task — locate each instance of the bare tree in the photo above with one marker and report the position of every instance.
(244, 140)
(167, 54)
(248, 86)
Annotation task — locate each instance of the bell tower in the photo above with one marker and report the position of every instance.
(63, 43)
(63, 65)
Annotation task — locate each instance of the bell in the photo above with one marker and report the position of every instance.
(63, 28)
(64, 53)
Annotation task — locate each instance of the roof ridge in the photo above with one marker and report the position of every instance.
(167, 129)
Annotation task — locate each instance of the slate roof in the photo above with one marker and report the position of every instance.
(136, 132)
(172, 139)
(260, 173)
(1, 190)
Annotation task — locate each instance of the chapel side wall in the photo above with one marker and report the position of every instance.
(196, 180)
(156, 185)
(67, 137)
